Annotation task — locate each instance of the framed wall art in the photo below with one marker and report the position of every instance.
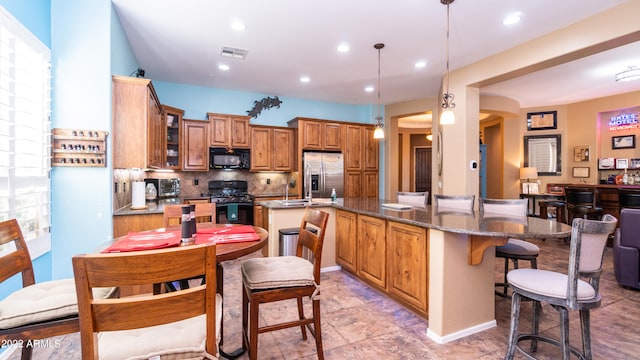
(581, 153)
(544, 120)
(623, 142)
(580, 172)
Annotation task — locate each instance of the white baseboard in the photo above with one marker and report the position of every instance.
(460, 334)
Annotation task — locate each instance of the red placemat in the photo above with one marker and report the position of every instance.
(148, 240)
(228, 234)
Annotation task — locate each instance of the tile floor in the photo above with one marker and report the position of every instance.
(359, 323)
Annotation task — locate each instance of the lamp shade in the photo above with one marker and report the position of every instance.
(378, 133)
(528, 173)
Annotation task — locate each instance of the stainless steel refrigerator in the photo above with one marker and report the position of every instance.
(322, 172)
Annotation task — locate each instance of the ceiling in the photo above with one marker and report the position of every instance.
(181, 41)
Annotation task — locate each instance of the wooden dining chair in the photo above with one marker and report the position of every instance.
(183, 324)
(205, 212)
(279, 278)
(515, 250)
(37, 310)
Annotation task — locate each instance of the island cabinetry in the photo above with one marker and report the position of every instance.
(371, 262)
(271, 148)
(318, 134)
(407, 264)
(173, 139)
(195, 148)
(346, 240)
(229, 131)
(137, 127)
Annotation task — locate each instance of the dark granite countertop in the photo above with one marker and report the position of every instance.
(472, 223)
(153, 207)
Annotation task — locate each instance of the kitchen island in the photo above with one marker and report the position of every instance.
(440, 265)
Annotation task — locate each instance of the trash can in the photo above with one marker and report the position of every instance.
(289, 240)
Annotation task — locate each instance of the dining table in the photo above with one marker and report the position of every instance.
(225, 251)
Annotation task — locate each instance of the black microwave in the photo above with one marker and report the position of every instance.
(223, 158)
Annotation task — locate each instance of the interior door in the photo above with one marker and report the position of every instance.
(423, 170)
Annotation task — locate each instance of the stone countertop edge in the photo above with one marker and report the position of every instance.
(462, 223)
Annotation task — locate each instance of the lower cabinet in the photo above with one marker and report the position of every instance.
(407, 263)
(346, 239)
(391, 256)
(123, 224)
(372, 250)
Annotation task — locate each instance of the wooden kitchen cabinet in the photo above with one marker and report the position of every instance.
(229, 131)
(346, 240)
(370, 184)
(195, 148)
(371, 149)
(353, 184)
(318, 134)
(371, 262)
(123, 224)
(271, 148)
(407, 264)
(137, 126)
(353, 150)
(173, 139)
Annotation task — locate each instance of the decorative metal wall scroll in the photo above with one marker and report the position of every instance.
(264, 104)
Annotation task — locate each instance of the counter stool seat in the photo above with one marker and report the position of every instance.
(560, 209)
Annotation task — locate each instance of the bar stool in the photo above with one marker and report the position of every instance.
(559, 207)
(629, 198)
(581, 203)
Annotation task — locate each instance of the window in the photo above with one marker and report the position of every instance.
(25, 132)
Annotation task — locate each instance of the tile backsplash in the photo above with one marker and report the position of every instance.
(194, 184)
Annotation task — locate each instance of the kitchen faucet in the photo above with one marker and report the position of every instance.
(307, 181)
(286, 193)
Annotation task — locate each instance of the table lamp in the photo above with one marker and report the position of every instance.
(528, 173)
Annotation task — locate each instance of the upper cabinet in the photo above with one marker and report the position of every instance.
(318, 134)
(228, 131)
(271, 148)
(195, 149)
(173, 140)
(137, 127)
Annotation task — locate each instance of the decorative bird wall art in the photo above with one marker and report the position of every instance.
(264, 104)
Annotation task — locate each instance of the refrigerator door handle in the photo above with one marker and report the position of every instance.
(323, 174)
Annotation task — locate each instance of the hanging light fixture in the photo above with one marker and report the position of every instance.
(378, 133)
(632, 73)
(447, 117)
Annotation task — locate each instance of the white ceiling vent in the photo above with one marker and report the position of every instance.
(232, 52)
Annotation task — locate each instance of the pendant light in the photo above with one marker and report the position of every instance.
(447, 117)
(378, 133)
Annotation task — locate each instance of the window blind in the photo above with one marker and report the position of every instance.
(25, 132)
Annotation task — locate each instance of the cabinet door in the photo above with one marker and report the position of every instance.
(123, 224)
(353, 147)
(371, 149)
(219, 126)
(261, 149)
(407, 263)
(132, 109)
(353, 184)
(239, 136)
(195, 150)
(370, 184)
(311, 135)
(346, 240)
(282, 149)
(173, 139)
(332, 136)
(371, 245)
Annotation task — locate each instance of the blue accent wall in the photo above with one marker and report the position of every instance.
(197, 101)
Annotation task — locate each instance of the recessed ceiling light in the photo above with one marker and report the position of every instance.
(238, 26)
(420, 64)
(369, 89)
(511, 19)
(304, 79)
(223, 67)
(343, 47)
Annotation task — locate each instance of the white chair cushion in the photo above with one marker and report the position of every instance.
(518, 247)
(548, 283)
(185, 338)
(277, 271)
(42, 301)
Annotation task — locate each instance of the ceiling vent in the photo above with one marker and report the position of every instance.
(232, 52)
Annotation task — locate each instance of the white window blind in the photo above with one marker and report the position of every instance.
(25, 132)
